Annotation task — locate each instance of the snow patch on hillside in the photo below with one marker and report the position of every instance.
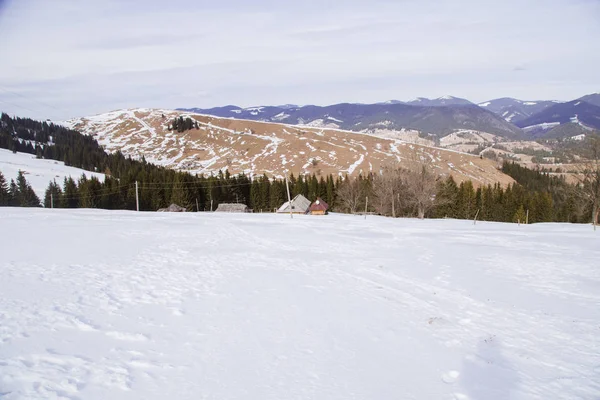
(39, 173)
(544, 125)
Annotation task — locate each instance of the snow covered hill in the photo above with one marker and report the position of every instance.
(39, 172)
(123, 305)
(255, 147)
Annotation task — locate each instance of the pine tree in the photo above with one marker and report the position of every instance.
(265, 193)
(26, 195)
(255, 202)
(13, 194)
(447, 199)
(53, 196)
(4, 194)
(70, 198)
(180, 195)
(520, 215)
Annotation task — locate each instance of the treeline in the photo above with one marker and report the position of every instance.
(192, 192)
(396, 192)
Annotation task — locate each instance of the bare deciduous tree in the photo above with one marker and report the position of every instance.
(350, 194)
(589, 177)
(387, 188)
(421, 186)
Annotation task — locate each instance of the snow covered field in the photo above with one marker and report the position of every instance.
(39, 172)
(122, 305)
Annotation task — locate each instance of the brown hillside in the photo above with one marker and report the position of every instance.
(257, 147)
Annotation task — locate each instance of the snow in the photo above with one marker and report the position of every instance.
(334, 119)
(356, 164)
(544, 125)
(446, 97)
(261, 306)
(530, 103)
(280, 117)
(487, 103)
(39, 172)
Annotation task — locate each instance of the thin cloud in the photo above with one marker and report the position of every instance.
(89, 57)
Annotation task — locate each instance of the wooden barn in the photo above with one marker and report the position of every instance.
(319, 207)
(233, 208)
(300, 205)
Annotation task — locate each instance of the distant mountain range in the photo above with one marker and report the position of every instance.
(434, 120)
(505, 117)
(514, 110)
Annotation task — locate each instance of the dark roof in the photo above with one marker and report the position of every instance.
(319, 205)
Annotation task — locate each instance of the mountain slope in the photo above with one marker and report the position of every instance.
(576, 111)
(438, 121)
(39, 173)
(514, 110)
(257, 147)
(591, 98)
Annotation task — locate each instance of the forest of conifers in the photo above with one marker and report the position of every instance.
(543, 197)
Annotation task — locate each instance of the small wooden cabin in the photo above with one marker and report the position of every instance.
(319, 207)
(300, 205)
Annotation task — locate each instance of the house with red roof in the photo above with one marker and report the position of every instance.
(319, 207)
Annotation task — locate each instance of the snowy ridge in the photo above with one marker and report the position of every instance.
(225, 306)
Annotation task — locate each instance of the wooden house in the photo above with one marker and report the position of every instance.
(319, 207)
(300, 205)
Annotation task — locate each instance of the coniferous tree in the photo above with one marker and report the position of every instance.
(14, 199)
(180, 195)
(5, 199)
(70, 198)
(26, 195)
(520, 215)
(53, 196)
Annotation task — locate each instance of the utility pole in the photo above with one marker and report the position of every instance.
(211, 201)
(197, 208)
(287, 185)
(51, 200)
(137, 197)
(393, 205)
(476, 215)
(527, 217)
(366, 206)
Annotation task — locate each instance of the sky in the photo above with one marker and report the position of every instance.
(71, 58)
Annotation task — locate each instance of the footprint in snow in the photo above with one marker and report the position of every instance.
(450, 376)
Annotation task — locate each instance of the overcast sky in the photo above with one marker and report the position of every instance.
(67, 58)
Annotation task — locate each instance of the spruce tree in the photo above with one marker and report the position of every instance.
(255, 202)
(53, 196)
(27, 197)
(14, 197)
(4, 194)
(180, 195)
(520, 215)
(70, 198)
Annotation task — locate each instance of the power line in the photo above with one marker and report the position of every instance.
(16, 105)
(29, 98)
